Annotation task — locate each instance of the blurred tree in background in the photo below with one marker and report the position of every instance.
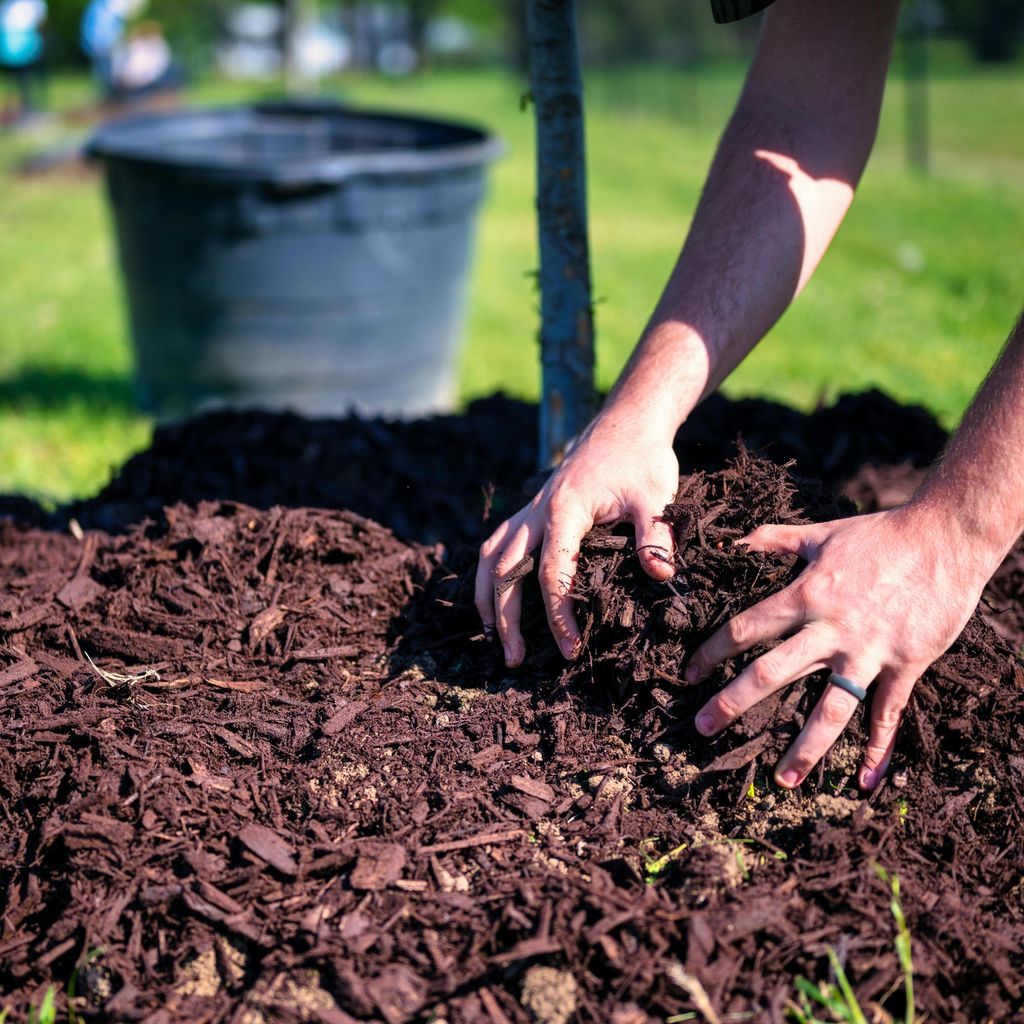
(993, 27)
(614, 32)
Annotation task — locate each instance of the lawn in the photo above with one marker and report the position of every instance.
(916, 296)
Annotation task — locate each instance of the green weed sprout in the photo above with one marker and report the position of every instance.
(839, 999)
(654, 866)
(47, 1012)
(903, 950)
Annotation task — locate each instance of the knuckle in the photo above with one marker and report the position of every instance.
(812, 597)
(547, 572)
(821, 588)
(737, 630)
(556, 585)
(835, 710)
(874, 753)
(887, 718)
(767, 673)
(558, 501)
(796, 599)
(503, 567)
(809, 593)
(727, 706)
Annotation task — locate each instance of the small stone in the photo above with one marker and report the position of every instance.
(619, 783)
(549, 995)
(199, 977)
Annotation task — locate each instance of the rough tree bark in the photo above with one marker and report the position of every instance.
(567, 330)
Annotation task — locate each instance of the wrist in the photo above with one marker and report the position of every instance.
(664, 380)
(966, 541)
(648, 420)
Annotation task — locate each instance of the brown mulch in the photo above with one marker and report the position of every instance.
(258, 764)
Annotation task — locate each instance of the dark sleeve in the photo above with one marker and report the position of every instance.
(734, 10)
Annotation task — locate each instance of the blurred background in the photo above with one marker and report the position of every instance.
(915, 297)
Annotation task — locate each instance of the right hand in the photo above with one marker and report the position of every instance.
(616, 470)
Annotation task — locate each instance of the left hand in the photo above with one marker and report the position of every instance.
(881, 598)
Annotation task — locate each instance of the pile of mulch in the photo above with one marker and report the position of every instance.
(257, 762)
(431, 480)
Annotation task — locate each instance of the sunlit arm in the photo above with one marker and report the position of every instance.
(779, 187)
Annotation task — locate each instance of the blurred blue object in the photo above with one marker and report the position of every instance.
(22, 47)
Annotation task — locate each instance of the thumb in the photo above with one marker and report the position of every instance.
(654, 544)
(779, 539)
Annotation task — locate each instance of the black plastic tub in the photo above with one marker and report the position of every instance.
(294, 255)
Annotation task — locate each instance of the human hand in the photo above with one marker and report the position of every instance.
(620, 468)
(881, 598)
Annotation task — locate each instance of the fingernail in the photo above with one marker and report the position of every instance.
(570, 648)
(868, 778)
(692, 674)
(788, 778)
(705, 724)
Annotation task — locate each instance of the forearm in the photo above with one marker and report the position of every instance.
(976, 490)
(762, 226)
(780, 184)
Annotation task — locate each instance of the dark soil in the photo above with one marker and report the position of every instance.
(257, 762)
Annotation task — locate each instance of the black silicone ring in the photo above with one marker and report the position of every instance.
(848, 685)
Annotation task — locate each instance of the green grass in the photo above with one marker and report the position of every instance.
(916, 296)
(45, 1013)
(836, 997)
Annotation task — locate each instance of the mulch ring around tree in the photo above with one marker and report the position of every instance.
(258, 764)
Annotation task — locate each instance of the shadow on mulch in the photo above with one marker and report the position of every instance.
(428, 480)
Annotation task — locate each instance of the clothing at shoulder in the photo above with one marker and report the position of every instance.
(734, 10)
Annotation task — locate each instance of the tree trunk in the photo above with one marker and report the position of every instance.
(567, 331)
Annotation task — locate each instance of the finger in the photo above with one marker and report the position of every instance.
(793, 659)
(483, 586)
(779, 539)
(508, 600)
(781, 613)
(558, 561)
(890, 697)
(654, 544)
(825, 724)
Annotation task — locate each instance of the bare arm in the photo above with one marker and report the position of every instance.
(778, 189)
(977, 487)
